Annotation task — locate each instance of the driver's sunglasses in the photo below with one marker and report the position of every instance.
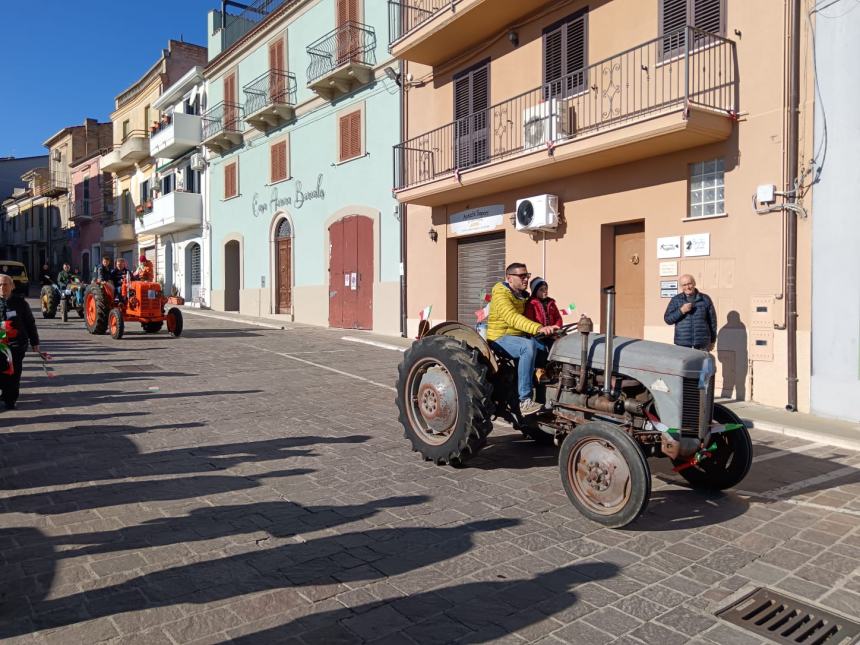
(525, 276)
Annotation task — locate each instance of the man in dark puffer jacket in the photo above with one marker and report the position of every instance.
(693, 314)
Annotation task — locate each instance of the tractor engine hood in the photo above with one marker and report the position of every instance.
(632, 355)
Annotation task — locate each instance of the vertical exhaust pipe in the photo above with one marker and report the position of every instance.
(584, 327)
(609, 347)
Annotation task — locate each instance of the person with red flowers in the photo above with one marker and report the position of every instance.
(540, 307)
(19, 328)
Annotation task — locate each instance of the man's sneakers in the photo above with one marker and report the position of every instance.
(529, 406)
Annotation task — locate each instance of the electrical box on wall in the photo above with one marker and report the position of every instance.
(539, 213)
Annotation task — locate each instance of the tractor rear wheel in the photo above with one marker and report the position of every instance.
(96, 309)
(731, 460)
(445, 399)
(116, 324)
(152, 327)
(174, 321)
(605, 474)
(50, 299)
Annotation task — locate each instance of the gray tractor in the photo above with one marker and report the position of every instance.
(658, 402)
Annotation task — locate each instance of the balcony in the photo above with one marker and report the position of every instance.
(434, 31)
(172, 212)
(270, 100)
(651, 100)
(222, 127)
(342, 60)
(49, 183)
(178, 136)
(134, 148)
(115, 231)
(85, 210)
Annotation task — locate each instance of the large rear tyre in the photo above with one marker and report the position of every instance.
(604, 473)
(730, 462)
(174, 322)
(445, 399)
(116, 324)
(96, 310)
(50, 300)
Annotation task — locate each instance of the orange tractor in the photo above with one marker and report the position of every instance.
(141, 302)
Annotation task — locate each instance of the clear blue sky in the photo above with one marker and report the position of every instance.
(62, 60)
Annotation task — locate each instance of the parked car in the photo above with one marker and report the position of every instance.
(18, 273)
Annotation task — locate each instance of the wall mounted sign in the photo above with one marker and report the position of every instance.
(668, 268)
(260, 207)
(476, 220)
(669, 247)
(697, 245)
(668, 288)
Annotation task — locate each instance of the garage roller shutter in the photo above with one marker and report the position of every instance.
(480, 264)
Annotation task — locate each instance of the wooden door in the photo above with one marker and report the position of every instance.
(630, 280)
(230, 115)
(351, 273)
(348, 44)
(277, 65)
(232, 271)
(285, 258)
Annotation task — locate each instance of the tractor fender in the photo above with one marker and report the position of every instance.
(466, 334)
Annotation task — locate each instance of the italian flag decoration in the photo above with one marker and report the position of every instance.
(704, 453)
(568, 311)
(424, 314)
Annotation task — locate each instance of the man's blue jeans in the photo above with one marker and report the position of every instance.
(525, 351)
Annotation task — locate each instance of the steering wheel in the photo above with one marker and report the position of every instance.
(561, 331)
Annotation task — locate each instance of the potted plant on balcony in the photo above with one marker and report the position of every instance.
(149, 204)
(139, 209)
(153, 128)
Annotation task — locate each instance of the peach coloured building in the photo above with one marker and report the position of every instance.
(637, 131)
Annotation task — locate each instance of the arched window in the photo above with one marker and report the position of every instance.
(284, 229)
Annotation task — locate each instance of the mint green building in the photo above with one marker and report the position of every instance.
(301, 119)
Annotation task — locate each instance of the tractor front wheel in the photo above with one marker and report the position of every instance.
(605, 474)
(174, 321)
(116, 324)
(50, 300)
(96, 309)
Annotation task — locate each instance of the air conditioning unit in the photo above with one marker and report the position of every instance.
(197, 162)
(539, 213)
(547, 121)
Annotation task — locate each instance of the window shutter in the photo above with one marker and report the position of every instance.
(279, 161)
(575, 51)
(344, 137)
(673, 19)
(462, 98)
(480, 89)
(355, 134)
(707, 16)
(553, 65)
(565, 56)
(230, 189)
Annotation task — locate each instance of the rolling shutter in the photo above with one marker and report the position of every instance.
(565, 57)
(480, 265)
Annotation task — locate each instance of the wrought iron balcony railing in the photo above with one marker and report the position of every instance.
(352, 42)
(223, 118)
(234, 27)
(663, 75)
(406, 16)
(49, 183)
(272, 88)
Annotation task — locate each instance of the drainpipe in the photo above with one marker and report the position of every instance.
(789, 213)
(402, 207)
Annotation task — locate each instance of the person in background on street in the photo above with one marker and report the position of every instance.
(145, 272)
(17, 321)
(510, 332)
(46, 278)
(693, 314)
(105, 272)
(64, 277)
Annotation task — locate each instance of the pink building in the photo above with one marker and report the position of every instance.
(92, 203)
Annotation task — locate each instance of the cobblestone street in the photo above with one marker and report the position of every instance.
(252, 484)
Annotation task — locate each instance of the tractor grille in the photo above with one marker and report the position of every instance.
(150, 299)
(785, 620)
(690, 403)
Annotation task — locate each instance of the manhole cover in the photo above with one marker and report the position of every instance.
(787, 620)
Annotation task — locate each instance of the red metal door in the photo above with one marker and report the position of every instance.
(364, 269)
(284, 275)
(350, 269)
(351, 273)
(336, 274)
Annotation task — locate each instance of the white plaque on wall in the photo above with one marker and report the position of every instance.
(697, 245)
(668, 268)
(669, 247)
(476, 220)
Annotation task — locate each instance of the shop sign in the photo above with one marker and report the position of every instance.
(261, 207)
(697, 245)
(476, 220)
(669, 247)
(668, 288)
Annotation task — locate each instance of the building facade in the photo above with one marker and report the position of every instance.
(301, 121)
(12, 187)
(612, 143)
(176, 219)
(92, 205)
(129, 161)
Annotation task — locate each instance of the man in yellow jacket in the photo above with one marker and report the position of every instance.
(511, 333)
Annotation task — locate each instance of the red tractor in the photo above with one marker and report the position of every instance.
(138, 301)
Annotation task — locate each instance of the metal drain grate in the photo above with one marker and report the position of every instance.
(786, 620)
